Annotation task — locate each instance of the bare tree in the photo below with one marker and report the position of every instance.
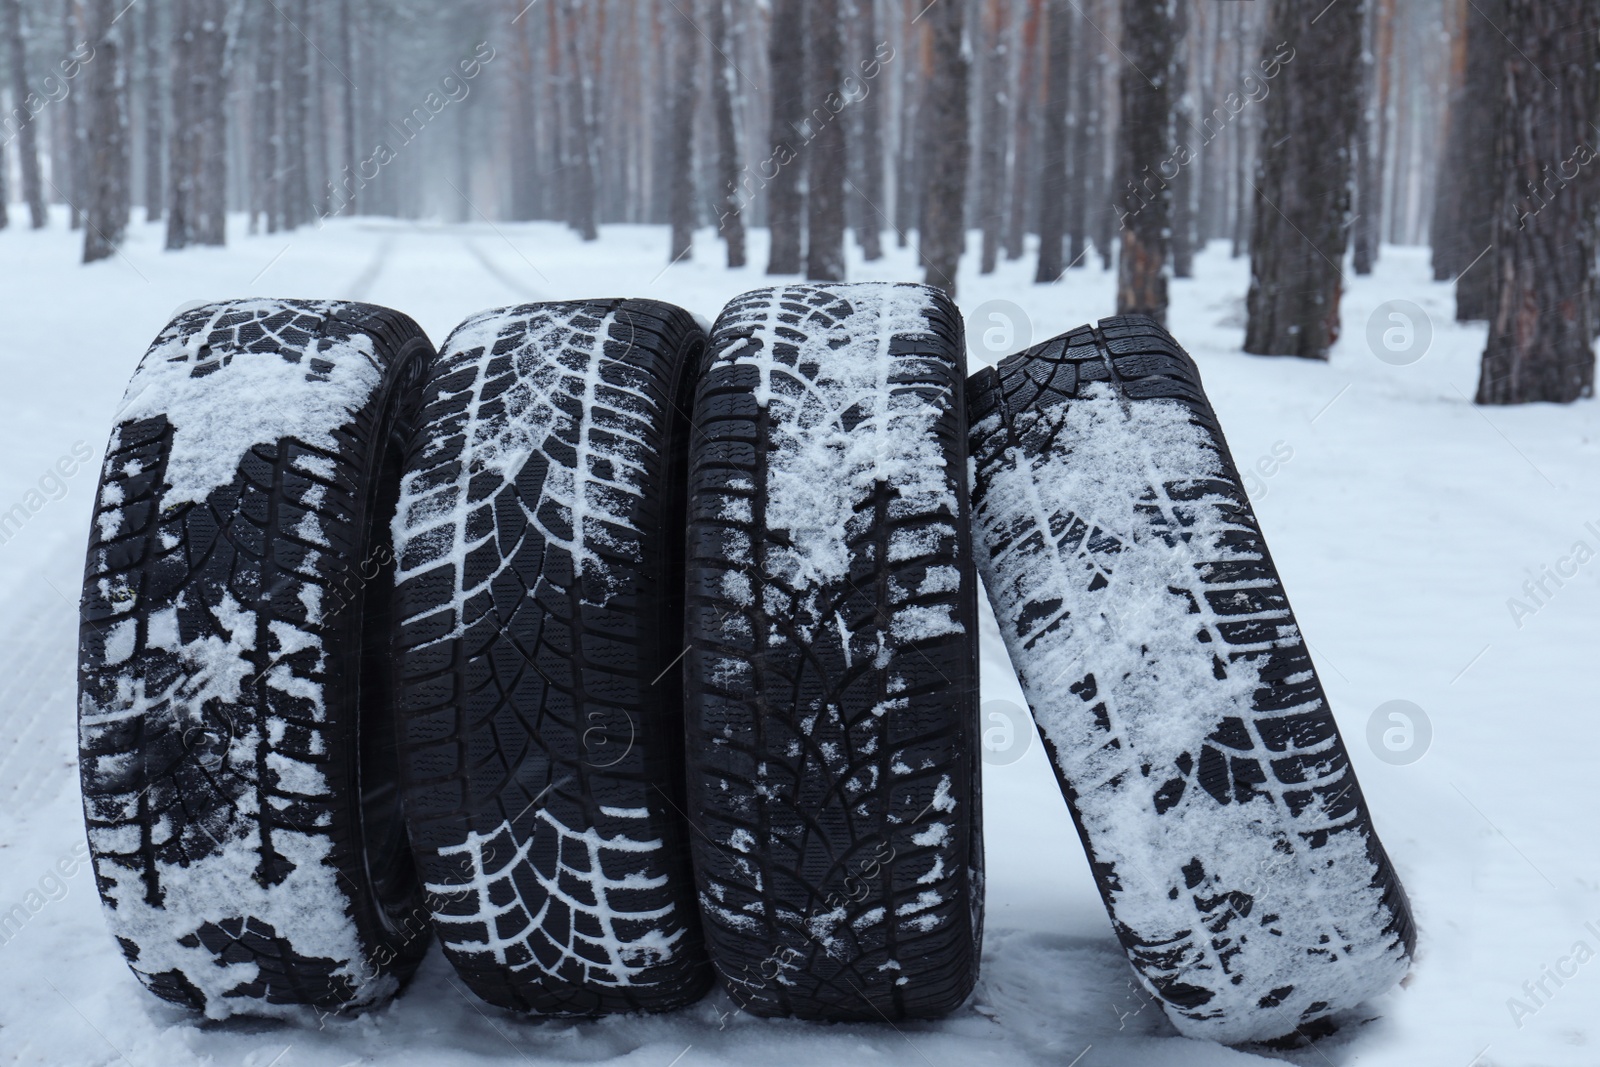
(1541, 339)
(826, 159)
(1053, 155)
(724, 75)
(18, 32)
(1302, 186)
(1144, 145)
(106, 213)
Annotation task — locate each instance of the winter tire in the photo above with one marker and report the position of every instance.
(540, 636)
(237, 746)
(832, 674)
(1193, 743)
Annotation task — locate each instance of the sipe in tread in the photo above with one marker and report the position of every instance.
(237, 758)
(832, 678)
(1192, 739)
(539, 641)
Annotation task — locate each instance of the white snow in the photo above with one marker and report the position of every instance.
(841, 430)
(510, 923)
(215, 430)
(1155, 683)
(1404, 523)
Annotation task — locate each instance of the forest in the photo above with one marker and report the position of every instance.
(1086, 134)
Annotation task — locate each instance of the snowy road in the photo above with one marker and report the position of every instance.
(1404, 521)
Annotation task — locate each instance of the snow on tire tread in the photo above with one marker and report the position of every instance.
(1169, 679)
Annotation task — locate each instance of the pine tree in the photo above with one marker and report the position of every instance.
(681, 139)
(1053, 156)
(826, 157)
(72, 184)
(106, 213)
(1302, 187)
(784, 166)
(991, 156)
(945, 144)
(155, 188)
(1083, 134)
(1478, 188)
(198, 145)
(1541, 339)
(583, 115)
(869, 150)
(1144, 144)
(1184, 128)
(18, 32)
(724, 75)
(1372, 134)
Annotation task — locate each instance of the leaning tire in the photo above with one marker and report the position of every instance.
(236, 740)
(1191, 736)
(540, 536)
(832, 673)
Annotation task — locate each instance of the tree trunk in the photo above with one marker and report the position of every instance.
(991, 138)
(1027, 111)
(155, 106)
(345, 195)
(825, 152)
(1478, 188)
(784, 165)
(269, 76)
(199, 146)
(1369, 138)
(730, 156)
(1302, 196)
(1083, 130)
(1541, 340)
(869, 235)
(681, 123)
(945, 123)
(1144, 144)
(586, 154)
(1183, 125)
(106, 219)
(1053, 190)
(1449, 249)
(18, 33)
(73, 186)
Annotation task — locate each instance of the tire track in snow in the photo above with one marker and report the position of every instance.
(501, 275)
(363, 283)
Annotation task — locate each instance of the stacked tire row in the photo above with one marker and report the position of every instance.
(625, 659)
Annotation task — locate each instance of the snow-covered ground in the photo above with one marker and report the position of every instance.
(1403, 520)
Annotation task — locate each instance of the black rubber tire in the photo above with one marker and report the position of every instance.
(1194, 745)
(237, 756)
(832, 674)
(539, 643)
